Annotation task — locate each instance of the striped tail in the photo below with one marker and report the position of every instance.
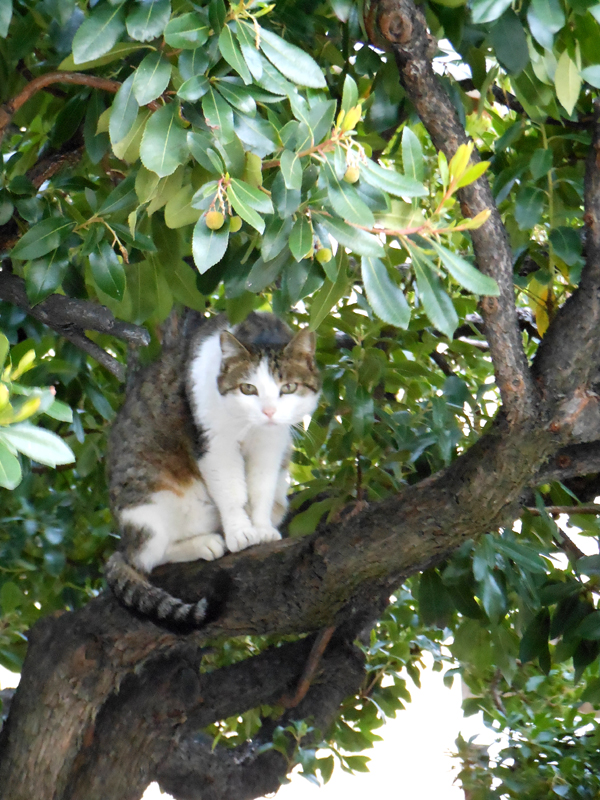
(134, 590)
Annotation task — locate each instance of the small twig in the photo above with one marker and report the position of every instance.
(591, 509)
(310, 668)
(41, 82)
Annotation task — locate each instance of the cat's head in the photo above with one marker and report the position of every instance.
(267, 376)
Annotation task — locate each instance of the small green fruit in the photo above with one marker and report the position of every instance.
(214, 220)
(324, 255)
(235, 223)
(352, 175)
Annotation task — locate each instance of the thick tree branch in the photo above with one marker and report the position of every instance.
(70, 317)
(403, 27)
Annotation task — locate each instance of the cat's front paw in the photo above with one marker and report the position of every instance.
(211, 546)
(267, 533)
(240, 536)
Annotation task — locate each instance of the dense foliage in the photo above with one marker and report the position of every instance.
(253, 156)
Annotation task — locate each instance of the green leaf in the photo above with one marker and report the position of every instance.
(510, 43)
(179, 210)
(256, 133)
(567, 81)
(238, 96)
(488, 10)
(44, 275)
(465, 274)
(164, 144)
(263, 273)
(182, 283)
(551, 12)
(525, 557)
(301, 238)
(390, 181)
(108, 272)
(360, 242)
(259, 201)
(592, 75)
(233, 55)
(291, 169)
(151, 78)
(42, 238)
(435, 604)
(6, 10)
(345, 200)
(534, 643)
(124, 111)
(349, 93)
(148, 19)
(11, 597)
(121, 197)
(218, 115)
(246, 37)
(541, 163)
(10, 469)
(437, 304)
(188, 31)
(385, 297)
(200, 147)
(193, 62)
(412, 156)
(529, 207)
(208, 247)
(589, 627)
(60, 411)
(567, 244)
(275, 237)
(98, 33)
(194, 88)
(116, 53)
(38, 444)
(330, 293)
(291, 61)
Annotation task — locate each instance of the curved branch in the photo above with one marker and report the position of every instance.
(69, 317)
(403, 27)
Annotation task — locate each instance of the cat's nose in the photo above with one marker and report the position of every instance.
(269, 411)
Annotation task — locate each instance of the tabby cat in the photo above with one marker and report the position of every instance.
(198, 455)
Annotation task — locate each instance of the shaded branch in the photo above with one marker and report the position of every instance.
(403, 27)
(194, 772)
(569, 354)
(69, 317)
(570, 462)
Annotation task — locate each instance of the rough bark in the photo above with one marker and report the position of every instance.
(100, 677)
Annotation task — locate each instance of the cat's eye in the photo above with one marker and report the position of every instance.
(288, 388)
(248, 388)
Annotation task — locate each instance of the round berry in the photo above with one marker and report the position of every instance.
(352, 175)
(214, 220)
(324, 255)
(235, 223)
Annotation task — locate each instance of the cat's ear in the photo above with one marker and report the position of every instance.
(231, 348)
(302, 346)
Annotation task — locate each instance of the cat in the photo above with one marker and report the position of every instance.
(198, 455)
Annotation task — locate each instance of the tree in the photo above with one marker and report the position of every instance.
(441, 233)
